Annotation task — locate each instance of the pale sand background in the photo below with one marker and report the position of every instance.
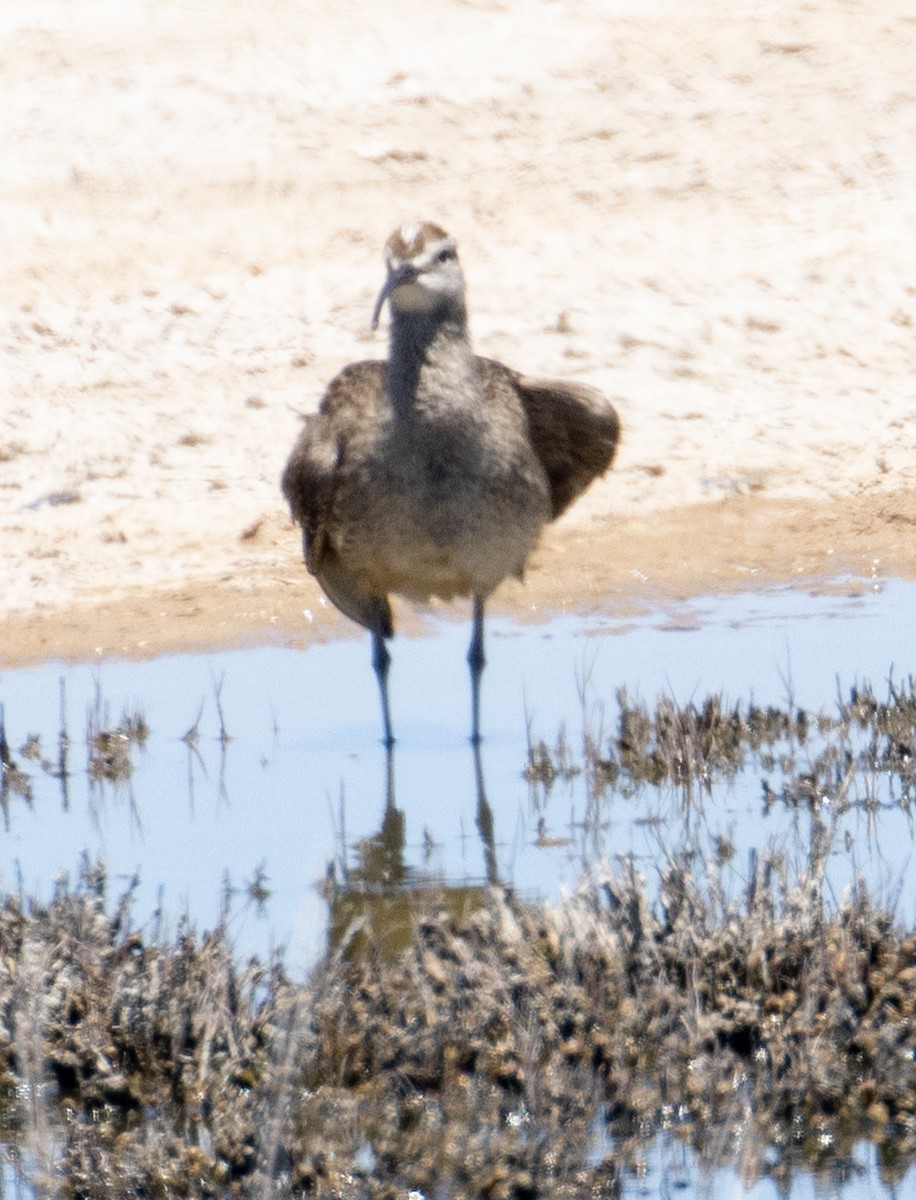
(706, 210)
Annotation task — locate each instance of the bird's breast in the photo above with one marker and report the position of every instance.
(441, 512)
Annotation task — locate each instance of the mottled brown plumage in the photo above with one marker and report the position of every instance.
(433, 473)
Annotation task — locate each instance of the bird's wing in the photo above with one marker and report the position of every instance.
(574, 430)
(312, 475)
(311, 479)
(309, 485)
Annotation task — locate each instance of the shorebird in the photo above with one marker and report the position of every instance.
(432, 474)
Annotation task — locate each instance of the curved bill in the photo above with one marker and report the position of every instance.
(405, 273)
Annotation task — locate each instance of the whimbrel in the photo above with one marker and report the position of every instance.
(432, 474)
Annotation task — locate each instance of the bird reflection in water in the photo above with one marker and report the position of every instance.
(377, 904)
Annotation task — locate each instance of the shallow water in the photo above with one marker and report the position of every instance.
(671, 1169)
(303, 777)
(299, 790)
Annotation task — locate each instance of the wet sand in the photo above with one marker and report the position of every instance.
(617, 568)
(705, 213)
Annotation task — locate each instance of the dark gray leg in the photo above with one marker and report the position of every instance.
(477, 662)
(485, 820)
(381, 660)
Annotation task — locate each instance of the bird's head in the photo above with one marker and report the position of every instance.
(424, 275)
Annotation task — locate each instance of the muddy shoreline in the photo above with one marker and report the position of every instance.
(610, 566)
(705, 212)
(699, 212)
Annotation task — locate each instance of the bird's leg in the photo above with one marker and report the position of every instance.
(381, 660)
(477, 662)
(485, 820)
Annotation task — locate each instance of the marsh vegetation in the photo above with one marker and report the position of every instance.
(741, 1004)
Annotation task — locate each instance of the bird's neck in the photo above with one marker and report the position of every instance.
(430, 363)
